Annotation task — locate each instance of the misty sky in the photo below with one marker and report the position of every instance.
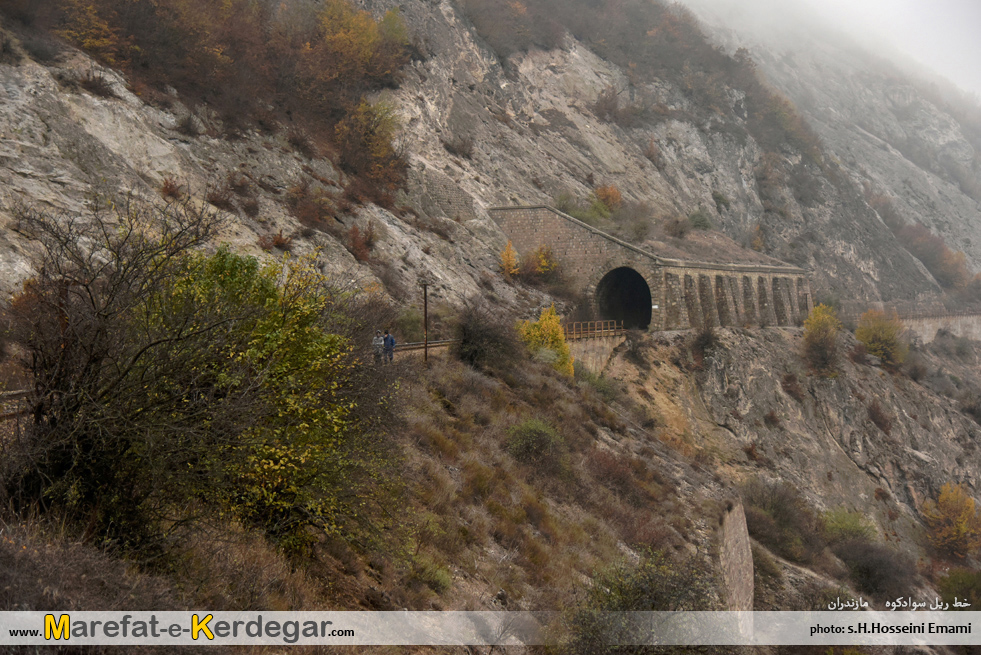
(945, 35)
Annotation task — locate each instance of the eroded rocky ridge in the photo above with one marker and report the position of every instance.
(893, 126)
(534, 136)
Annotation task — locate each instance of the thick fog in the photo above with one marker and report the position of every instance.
(942, 35)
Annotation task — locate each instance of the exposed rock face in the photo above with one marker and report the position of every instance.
(534, 135)
(816, 433)
(888, 126)
(886, 134)
(60, 144)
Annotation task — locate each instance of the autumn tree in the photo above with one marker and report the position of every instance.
(87, 25)
(366, 141)
(954, 522)
(171, 385)
(610, 196)
(540, 265)
(351, 51)
(821, 340)
(949, 268)
(509, 262)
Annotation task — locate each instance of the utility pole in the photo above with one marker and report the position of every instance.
(424, 282)
(425, 321)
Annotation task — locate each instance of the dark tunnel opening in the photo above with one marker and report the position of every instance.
(623, 295)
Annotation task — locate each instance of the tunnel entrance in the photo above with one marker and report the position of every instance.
(623, 295)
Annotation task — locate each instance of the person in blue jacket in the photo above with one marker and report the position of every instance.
(389, 347)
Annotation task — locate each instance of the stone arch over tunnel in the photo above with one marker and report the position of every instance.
(624, 295)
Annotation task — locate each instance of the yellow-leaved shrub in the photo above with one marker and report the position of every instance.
(882, 336)
(821, 340)
(954, 522)
(546, 334)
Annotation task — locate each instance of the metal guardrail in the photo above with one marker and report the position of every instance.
(593, 329)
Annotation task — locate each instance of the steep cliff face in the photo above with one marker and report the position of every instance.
(869, 441)
(536, 135)
(886, 133)
(896, 129)
(61, 143)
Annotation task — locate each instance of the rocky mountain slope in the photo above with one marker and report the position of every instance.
(658, 445)
(532, 133)
(896, 128)
(536, 135)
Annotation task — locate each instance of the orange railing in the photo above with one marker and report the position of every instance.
(593, 329)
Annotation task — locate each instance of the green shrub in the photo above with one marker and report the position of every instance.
(700, 220)
(779, 518)
(431, 573)
(486, 338)
(677, 227)
(839, 525)
(656, 584)
(536, 443)
(954, 522)
(877, 569)
(962, 585)
(592, 211)
(882, 336)
(606, 388)
(365, 144)
(720, 201)
(409, 324)
(188, 384)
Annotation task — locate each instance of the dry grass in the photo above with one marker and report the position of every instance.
(236, 570)
(171, 189)
(302, 143)
(472, 520)
(43, 569)
(96, 83)
(546, 526)
(239, 184)
(221, 197)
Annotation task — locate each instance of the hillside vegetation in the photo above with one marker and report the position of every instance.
(253, 63)
(205, 425)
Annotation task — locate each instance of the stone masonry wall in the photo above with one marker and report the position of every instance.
(595, 354)
(963, 325)
(684, 294)
(736, 561)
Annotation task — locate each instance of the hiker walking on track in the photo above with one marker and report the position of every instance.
(378, 346)
(389, 342)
